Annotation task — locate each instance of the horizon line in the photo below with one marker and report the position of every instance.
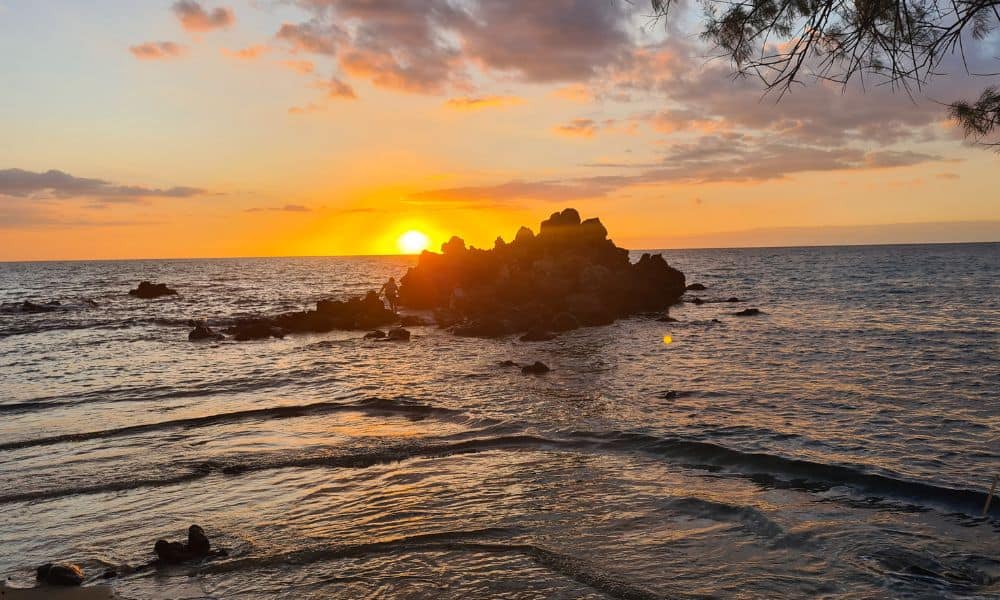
(662, 249)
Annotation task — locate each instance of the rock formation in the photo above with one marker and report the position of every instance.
(60, 574)
(147, 290)
(568, 275)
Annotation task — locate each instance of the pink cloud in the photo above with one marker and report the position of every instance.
(157, 50)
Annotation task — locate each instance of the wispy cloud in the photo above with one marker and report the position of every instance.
(293, 208)
(157, 50)
(481, 102)
(586, 128)
(54, 184)
(248, 53)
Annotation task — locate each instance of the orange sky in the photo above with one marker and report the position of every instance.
(334, 126)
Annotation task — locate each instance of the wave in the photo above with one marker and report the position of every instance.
(764, 469)
(450, 541)
(370, 405)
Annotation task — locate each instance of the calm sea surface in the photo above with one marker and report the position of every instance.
(839, 445)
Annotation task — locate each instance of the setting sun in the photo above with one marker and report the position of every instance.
(413, 242)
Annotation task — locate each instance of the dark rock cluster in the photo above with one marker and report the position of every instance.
(196, 548)
(148, 290)
(569, 275)
(366, 312)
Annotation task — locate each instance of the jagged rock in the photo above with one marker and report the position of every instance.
(60, 574)
(147, 290)
(569, 267)
(537, 335)
(204, 332)
(696, 287)
(375, 335)
(537, 368)
(748, 312)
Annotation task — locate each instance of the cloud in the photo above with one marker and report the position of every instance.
(195, 18)
(53, 184)
(481, 102)
(337, 88)
(295, 208)
(303, 67)
(578, 128)
(248, 53)
(307, 109)
(428, 46)
(157, 50)
(312, 37)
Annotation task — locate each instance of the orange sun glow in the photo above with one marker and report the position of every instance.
(413, 242)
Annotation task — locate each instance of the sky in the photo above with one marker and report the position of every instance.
(163, 129)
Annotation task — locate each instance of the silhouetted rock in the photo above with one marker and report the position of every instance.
(398, 334)
(538, 335)
(197, 541)
(196, 548)
(667, 319)
(748, 312)
(147, 290)
(733, 299)
(696, 287)
(255, 329)
(537, 368)
(204, 332)
(359, 313)
(486, 327)
(564, 322)
(412, 321)
(569, 274)
(375, 335)
(59, 574)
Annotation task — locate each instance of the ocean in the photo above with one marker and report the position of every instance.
(839, 445)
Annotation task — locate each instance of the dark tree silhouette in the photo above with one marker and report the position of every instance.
(902, 43)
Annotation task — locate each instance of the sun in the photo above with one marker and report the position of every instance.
(413, 242)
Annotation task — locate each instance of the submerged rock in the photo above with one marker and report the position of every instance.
(569, 274)
(59, 574)
(537, 368)
(204, 332)
(148, 290)
(696, 287)
(538, 335)
(365, 312)
(375, 335)
(748, 312)
(508, 363)
(31, 307)
(733, 299)
(398, 334)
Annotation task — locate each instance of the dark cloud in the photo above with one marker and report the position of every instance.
(156, 50)
(312, 37)
(195, 18)
(296, 208)
(18, 183)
